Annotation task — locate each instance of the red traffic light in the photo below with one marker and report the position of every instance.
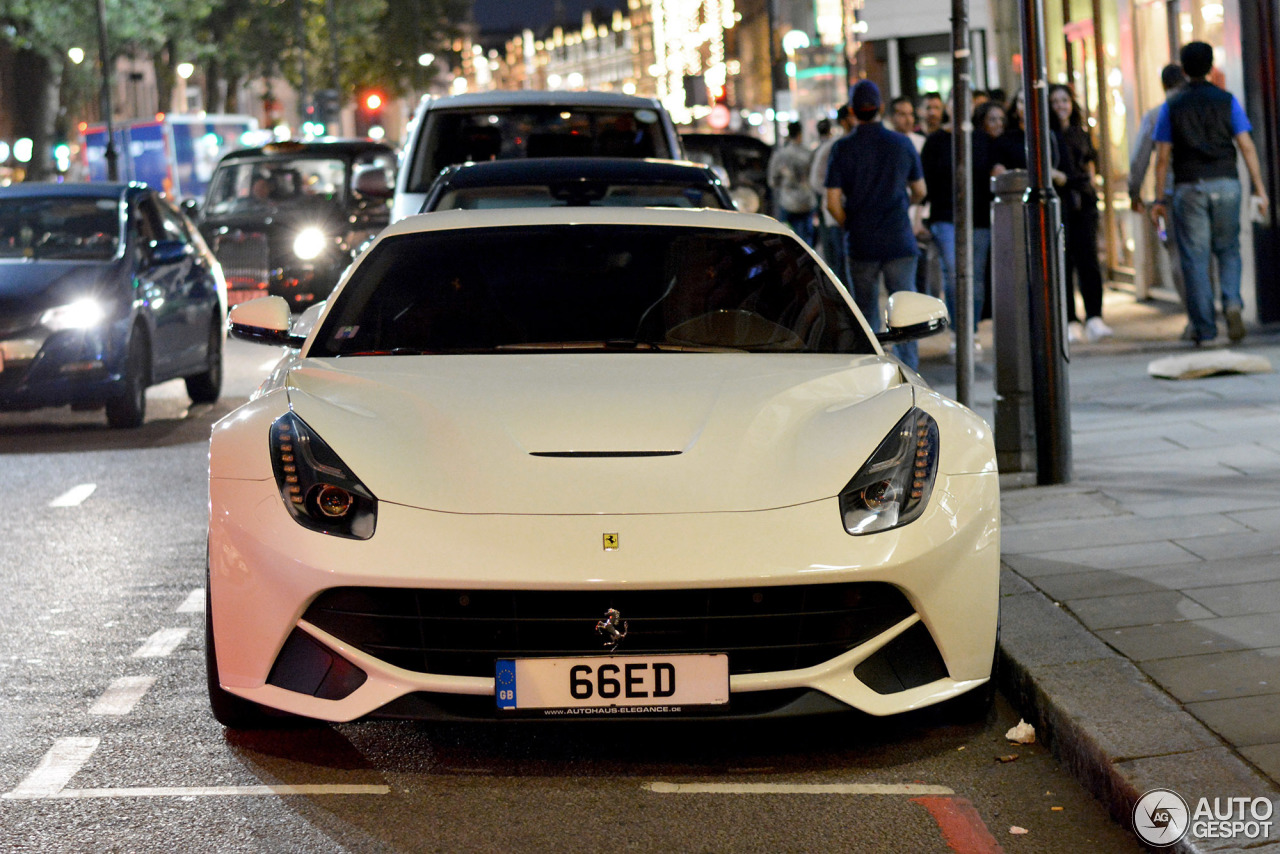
(373, 100)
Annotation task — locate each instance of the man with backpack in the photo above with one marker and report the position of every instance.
(789, 179)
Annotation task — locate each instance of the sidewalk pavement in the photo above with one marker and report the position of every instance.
(1141, 601)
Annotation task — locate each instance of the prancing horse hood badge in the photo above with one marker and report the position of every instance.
(612, 627)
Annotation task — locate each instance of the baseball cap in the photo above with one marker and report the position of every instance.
(864, 97)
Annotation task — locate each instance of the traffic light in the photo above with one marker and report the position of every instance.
(369, 114)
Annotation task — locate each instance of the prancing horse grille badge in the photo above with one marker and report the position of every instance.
(613, 628)
(611, 542)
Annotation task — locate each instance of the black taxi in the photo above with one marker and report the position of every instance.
(286, 219)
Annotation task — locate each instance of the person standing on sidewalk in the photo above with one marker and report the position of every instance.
(1172, 79)
(1199, 130)
(873, 177)
(832, 233)
(1079, 214)
(939, 177)
(789, 178)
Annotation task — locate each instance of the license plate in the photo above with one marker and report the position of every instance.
(612, 684)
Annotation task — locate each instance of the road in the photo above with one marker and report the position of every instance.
(107, 744)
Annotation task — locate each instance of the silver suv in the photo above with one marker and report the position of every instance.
(503, 125)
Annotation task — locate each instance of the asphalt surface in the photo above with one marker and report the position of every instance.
(107, 743)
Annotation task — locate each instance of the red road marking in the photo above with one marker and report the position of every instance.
(962, 828)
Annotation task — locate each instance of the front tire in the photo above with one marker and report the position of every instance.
(206, 387)
(128, 408)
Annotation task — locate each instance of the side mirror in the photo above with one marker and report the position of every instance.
(913, 316)
(264, 320)
(164, 252)
(371, 182)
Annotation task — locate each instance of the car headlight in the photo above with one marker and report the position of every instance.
(320, 491)
(892, 488)
(80, 314)
(309, 243)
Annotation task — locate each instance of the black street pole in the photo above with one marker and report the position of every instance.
(104, 98)
(771, 18)
(1044, 263)
(962, 194)
(304, 89)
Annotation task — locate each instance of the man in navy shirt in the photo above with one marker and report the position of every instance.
(1199, 130)
(873, 177)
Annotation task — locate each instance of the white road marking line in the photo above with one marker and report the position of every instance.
(797, 789)
(55, 770)
(221, 791)
(122, 695)
(161, 643)
(194, 603)
(74, 496)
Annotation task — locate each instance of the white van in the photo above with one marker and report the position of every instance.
(501, 125)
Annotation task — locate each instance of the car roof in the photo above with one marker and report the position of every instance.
(49, 189)
(547, 169)
(669, 217)
(294, 148)
(532, 97)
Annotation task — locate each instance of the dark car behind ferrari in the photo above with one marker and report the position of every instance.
(577, 181)
(287, 218)
(105, 289)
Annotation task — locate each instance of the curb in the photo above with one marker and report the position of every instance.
(1113, 729)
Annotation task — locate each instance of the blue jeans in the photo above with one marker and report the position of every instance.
(833, 248)
(944, 234)
(801, 224)
(1206, 221)
(864, 282)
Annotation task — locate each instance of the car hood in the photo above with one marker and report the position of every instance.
(37, 285)
(601, 433)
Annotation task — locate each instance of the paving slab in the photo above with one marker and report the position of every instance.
(1266, 757)
(1158, 553)
(1243, 721)
(1170, 640)
(1218, 676)
(1052, 536)
(1136, 609)
(1238, 599)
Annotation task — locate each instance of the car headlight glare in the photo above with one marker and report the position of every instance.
(893, 486)
(309, 243)
(81, 314)
(317, 486)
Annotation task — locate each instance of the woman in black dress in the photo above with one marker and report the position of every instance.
(1078, 164)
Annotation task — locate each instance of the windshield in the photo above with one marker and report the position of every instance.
(274, 183)
(589, 287)
(71, 228)
(580, 193)
(456, 136)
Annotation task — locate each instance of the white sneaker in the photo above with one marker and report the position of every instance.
(1096, 330)
(1075, 332)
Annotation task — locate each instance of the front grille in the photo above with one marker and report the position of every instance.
(461, 632)
(245, 258)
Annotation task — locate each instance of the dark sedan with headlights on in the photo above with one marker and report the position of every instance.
(286, 219)
(105, 289)
(577, 181)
